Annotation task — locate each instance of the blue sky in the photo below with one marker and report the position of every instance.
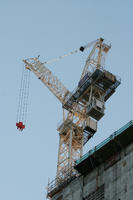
(52, 28)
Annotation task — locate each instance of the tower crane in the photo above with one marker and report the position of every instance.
(83, 107)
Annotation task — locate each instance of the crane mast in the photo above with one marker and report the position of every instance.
(83, 107)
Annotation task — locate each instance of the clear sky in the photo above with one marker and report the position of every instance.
(52, 28)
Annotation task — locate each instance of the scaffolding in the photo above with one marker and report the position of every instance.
(59, 183)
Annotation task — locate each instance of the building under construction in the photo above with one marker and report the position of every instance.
(104, 173)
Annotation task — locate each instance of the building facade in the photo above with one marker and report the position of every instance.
(104, 173)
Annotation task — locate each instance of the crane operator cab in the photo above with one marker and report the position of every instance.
(95, 109)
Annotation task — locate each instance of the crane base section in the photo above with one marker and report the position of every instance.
(64, 129)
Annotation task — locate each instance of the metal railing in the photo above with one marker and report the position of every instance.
(60, 182)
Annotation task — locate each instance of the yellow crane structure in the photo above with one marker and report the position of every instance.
(83, 107)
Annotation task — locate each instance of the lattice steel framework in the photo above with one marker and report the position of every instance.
(71, 131)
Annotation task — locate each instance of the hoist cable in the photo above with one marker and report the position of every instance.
(23, 99)
(82, 48)
(20, 95)
(25, 95)
(61, 57)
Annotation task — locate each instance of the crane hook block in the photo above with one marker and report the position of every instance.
(20, 126)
